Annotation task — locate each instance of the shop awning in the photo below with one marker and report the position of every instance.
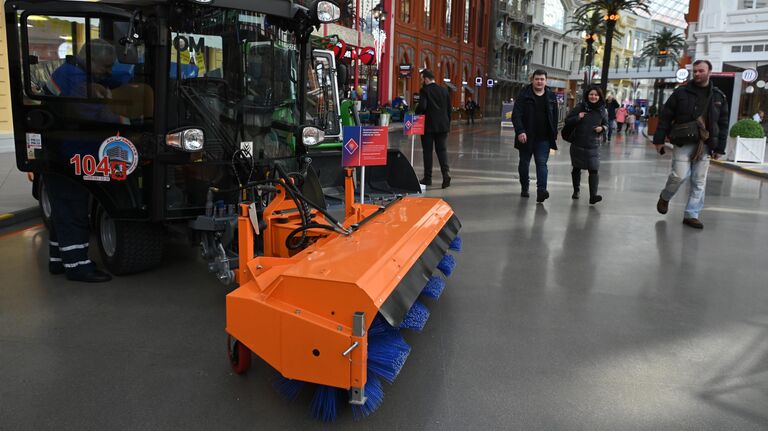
(450, 86)
(470, 89)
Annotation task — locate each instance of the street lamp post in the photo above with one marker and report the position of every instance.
(380, 14)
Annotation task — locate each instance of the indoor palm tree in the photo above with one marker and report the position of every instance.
(610, 10)
(591, 28)
(661, 46)
(664, 44)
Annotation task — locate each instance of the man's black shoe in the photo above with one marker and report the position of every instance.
(446, 182)
(595, 199)
(693, 222)
(426, 182)
(525, 194)
(541, 196)
(575, 194)
(662, 206)
(95, 276)
(55, 268)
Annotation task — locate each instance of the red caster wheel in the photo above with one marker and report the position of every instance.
(239, 355)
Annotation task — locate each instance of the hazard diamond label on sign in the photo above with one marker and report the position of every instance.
(351, 146)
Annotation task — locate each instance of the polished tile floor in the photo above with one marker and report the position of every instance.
(561, 316)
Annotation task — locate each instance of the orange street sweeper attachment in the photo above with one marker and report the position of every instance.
(326, 302)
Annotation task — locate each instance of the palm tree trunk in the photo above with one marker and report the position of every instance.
(590, 54)
(610, 26)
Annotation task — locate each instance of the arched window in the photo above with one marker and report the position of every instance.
(466, 20)
(554, 14)
(405, 11)
(427, 14)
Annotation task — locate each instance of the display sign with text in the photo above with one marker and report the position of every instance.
(506, 114)
(414, 124)
(365, 146)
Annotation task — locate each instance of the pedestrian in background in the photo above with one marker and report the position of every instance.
(695, 118)
(470, 108)
(589, 122)
(621, 117)
(435, 105)
(535, 119)
(631, 118)
(611, 105)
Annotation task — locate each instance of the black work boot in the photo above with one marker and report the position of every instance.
(594, 180)
(576, 179)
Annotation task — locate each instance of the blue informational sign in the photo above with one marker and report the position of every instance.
(365, 146)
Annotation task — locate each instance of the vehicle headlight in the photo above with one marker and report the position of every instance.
(191, 140)
(327, 11)
(312, 136)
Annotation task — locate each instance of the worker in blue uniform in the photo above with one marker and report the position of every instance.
(70, 232)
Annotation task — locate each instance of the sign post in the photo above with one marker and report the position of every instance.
(365, 146)
(413, 125)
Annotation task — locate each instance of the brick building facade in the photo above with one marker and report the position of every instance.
(450, 37)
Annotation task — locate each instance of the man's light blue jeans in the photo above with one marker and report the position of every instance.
(683, 168)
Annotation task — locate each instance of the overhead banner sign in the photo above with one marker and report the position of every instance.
(365, 146)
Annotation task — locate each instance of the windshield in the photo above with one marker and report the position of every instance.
(235, 75)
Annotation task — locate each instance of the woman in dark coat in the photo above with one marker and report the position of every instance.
(589, 120)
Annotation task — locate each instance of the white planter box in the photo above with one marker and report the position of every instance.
(746, 149)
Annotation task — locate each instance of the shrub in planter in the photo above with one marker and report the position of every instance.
(747, 129)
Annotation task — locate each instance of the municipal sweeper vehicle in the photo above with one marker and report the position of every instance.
(213, 118)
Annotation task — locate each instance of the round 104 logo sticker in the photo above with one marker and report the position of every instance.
(117, 159)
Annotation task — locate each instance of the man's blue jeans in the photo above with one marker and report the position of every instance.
(540, 153)
(682, 168)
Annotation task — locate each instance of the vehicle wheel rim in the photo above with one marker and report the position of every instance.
(45, 203)
(108, 234)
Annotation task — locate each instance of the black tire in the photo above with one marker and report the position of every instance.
(128, 247)
(44, 202)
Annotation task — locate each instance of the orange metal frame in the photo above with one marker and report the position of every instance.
(295, 310)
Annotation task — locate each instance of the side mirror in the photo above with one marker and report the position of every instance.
(325, 11)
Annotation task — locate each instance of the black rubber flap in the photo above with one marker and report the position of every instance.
(405, 294)
(396, 178)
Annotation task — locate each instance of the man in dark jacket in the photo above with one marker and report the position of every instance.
(435, 104)
(535, 119)
(700, 100)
